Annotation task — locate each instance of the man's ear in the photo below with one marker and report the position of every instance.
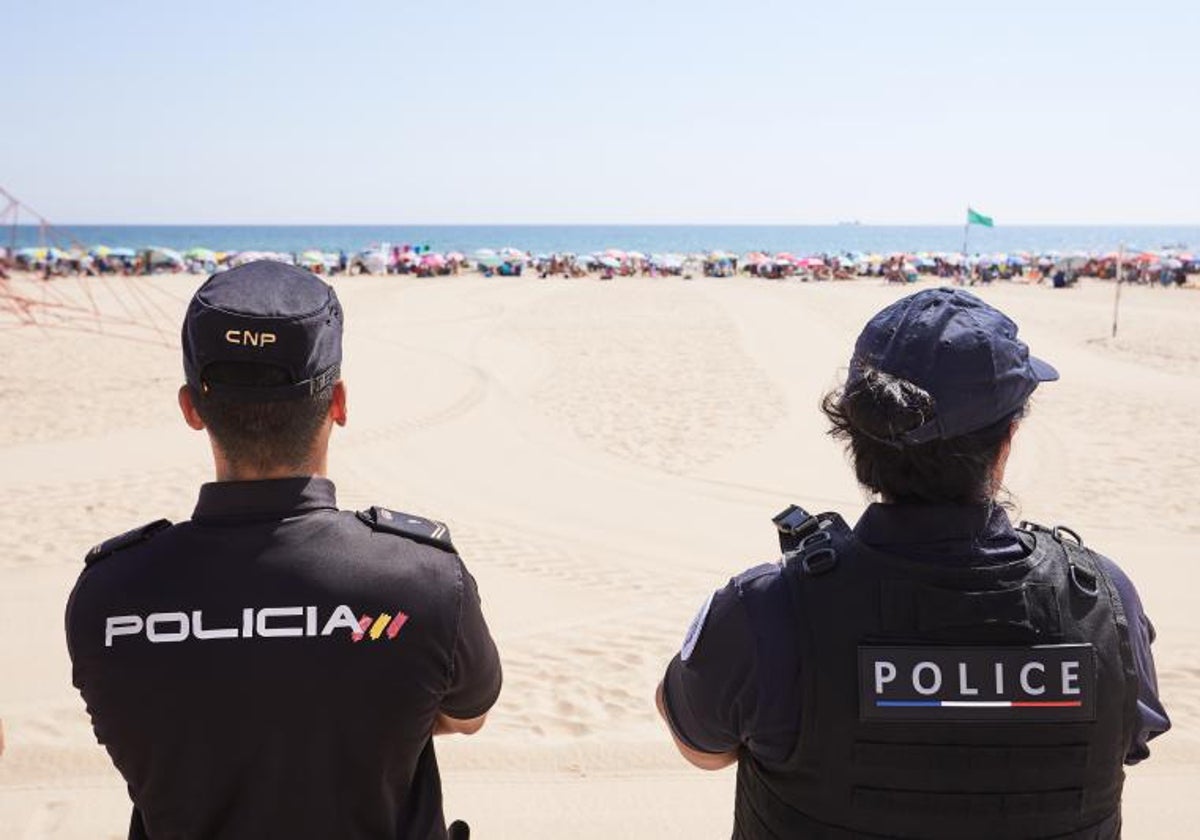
(337, 406)
(187, 405)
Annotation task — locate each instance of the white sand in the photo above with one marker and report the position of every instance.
(605, 454)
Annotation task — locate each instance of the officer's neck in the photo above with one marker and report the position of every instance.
(227, 470)
(268, 475)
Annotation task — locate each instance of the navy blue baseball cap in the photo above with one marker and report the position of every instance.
(965, 353)
(269, 313)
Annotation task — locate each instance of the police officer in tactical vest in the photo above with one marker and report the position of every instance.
(931, 672)
(275, 667)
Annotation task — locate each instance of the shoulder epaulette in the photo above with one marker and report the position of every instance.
(418, 528)
(115, 544)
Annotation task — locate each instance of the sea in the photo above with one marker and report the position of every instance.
(649, 239)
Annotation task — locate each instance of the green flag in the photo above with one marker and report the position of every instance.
(974, 218)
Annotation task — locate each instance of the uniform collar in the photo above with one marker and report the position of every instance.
(941, 532)
(271, 499)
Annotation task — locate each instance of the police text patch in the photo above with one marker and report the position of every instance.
(1017, 684)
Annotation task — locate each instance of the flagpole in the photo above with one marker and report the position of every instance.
(1117, 295)
(966, 233)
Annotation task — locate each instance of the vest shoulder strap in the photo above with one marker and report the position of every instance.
(1085, 563)
(132, 537)
(1082, 566)
(807, 540)
(413, 527)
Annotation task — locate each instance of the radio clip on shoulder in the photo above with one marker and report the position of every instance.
(794, 523)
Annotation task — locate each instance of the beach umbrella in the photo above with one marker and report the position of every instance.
(50, 253)
(487, 257)
(433, 260)
(615, 254)
(164, 256)
(201, 254)
(1072, 263)
(1131, 256)
(635, 255)
(100, 251)
(312, 257)
(250, 256)
(511, 253)
(373, 260)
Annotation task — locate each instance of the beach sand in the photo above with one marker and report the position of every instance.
(605, 454)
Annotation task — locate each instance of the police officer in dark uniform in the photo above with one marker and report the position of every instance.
(933, 671)
(276, 667)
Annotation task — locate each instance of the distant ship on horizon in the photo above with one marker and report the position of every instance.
(850, 223)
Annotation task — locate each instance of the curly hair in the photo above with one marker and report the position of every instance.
(875, 409)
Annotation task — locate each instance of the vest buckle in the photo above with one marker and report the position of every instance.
(816, 553)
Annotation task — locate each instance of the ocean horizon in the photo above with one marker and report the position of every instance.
(800, 239)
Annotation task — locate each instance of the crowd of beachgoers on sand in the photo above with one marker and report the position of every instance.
(1161, 267)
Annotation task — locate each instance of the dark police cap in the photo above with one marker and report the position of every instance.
(268, 313)
(965, 353)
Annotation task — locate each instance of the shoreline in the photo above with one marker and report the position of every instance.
(648, 238)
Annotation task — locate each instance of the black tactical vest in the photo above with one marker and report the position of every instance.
(949, 701)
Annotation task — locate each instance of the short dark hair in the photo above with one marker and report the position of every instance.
(261, 434)
(875, 409)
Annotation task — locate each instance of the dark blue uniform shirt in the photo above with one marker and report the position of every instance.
(737, 679)
(273, 668)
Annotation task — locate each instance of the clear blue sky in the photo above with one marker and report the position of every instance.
(684, 111)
